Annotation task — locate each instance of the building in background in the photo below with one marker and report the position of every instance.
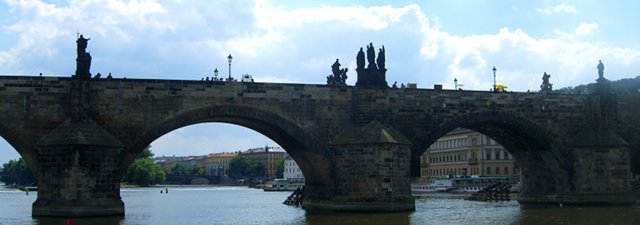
(267, 156)
(291, 169)
(464, 152)
(217, 164)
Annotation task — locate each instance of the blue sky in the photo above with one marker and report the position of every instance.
(426, 42)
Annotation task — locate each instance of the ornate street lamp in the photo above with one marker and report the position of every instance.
(215, 73)
(494, 79)
(229, 58)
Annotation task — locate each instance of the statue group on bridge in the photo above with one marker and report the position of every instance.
(371, 76)
(374, 75)
(338, 76)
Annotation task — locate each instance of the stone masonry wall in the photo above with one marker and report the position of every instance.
(303, 118)
(372, 173)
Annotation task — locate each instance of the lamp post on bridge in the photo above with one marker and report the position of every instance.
(229, 58)
(494, 79)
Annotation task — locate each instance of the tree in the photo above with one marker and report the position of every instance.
(178, 170)
(239, 167)
(146, 153)
(280, 169)
(258, 170)
(143, 171)
(17, 172)
(196, 170)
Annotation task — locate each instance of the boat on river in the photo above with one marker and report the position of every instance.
(283, 185)
(458, 184)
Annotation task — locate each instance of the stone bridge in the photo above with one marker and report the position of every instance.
(355, 145)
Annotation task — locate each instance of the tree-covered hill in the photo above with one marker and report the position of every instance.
(626, 86)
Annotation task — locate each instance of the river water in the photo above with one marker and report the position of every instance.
(241, 205)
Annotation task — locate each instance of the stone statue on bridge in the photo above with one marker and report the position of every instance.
(546, 86)
(338, 76)
(381, 57)
(371, 56)
(335, 68)
(360, 59)
(600, 70)
(82, 45)
(602, 84)
(83, 60)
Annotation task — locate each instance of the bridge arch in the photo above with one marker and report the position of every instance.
(289, 135)
(25, 151)
(545, 164)
(11, 138)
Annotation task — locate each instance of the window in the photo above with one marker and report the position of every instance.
(487, 154)
(497, 155)
(488, 170)
(506, 170)
(497, 170)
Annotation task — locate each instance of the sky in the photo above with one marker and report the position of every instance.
(296, 41)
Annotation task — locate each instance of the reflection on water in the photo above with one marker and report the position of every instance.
(237, 205)
(94, 221)
(452, 209)
(359, 218)
(587, 215)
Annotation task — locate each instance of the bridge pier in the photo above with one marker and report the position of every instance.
(78, 172)
(602, 168)
(371, 172)
(601, 173)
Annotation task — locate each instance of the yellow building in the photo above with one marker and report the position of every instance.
(464, 152)
(217, 164)
(267, 156)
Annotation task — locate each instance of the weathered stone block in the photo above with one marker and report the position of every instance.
(78, 172)
(372, 170)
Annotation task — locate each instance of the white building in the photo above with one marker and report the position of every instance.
(291, 169)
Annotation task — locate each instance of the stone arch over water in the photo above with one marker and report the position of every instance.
(545, 162)
(289, 135)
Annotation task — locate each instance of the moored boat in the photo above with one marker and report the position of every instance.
(458, 184)
(283, 185)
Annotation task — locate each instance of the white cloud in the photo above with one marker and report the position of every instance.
(202, 139)
(563, 7)
(519, 57)
(271, 18)
(587, 28)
